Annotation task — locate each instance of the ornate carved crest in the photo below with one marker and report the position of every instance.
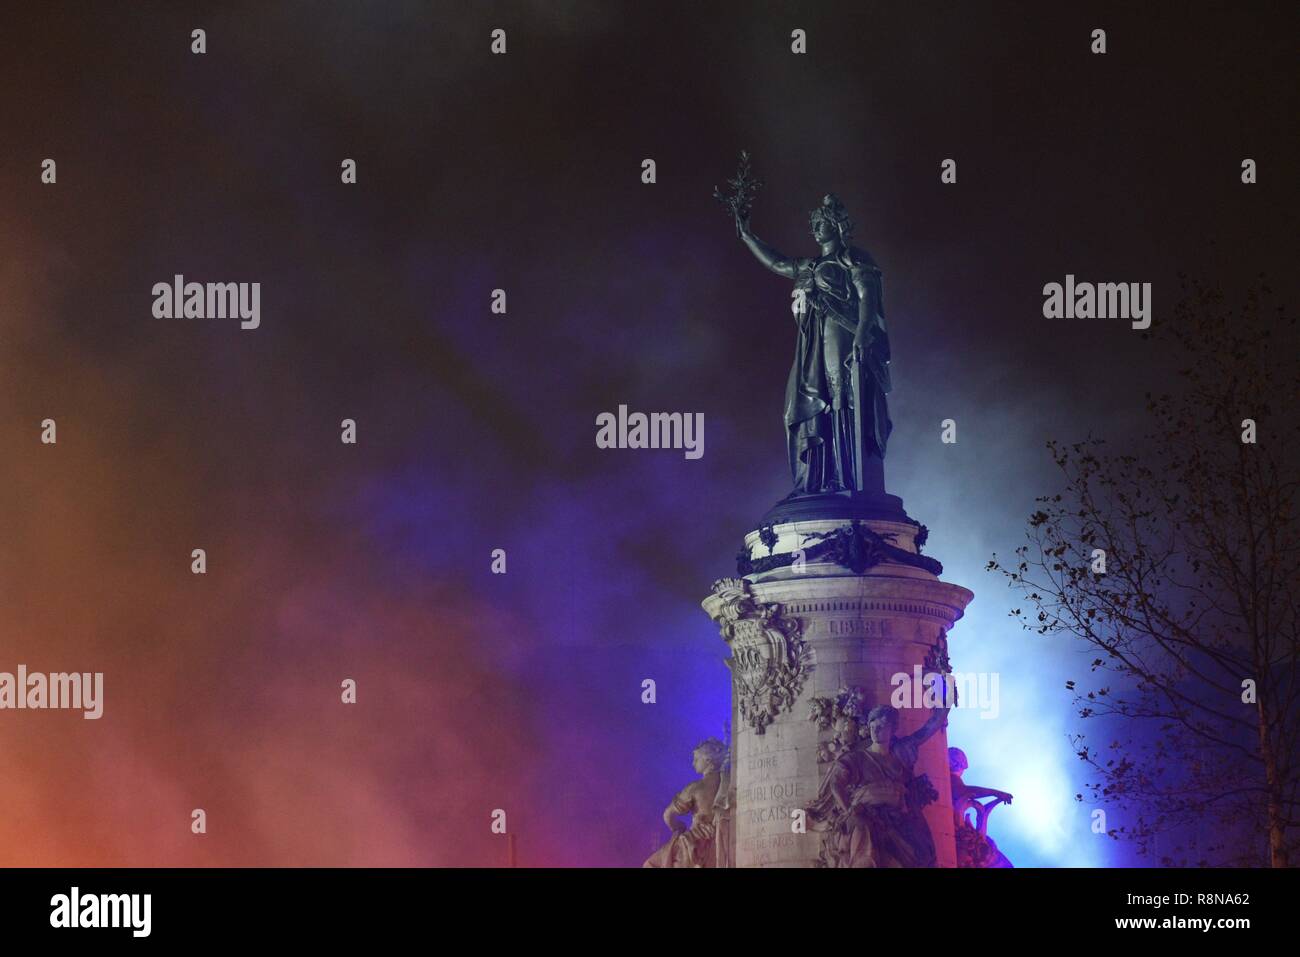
(769, 659)
(936, 658)
(936, 662)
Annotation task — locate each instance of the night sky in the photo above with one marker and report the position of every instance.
(477, 431)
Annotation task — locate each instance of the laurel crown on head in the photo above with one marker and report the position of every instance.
(832, 211)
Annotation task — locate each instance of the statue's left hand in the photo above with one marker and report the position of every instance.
(862, 341)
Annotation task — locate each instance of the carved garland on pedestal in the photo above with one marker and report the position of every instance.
(769, 659)
(855, 547)
(936, 662)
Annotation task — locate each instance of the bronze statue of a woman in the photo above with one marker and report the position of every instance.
(836, 419)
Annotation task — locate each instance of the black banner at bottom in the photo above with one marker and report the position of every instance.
(212, 906)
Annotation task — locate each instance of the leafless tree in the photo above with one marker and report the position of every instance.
(1178, 563)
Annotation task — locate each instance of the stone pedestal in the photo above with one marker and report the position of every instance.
(821, 605)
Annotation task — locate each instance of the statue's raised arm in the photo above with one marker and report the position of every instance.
(938, 719)
(779, 263)
(744, 187)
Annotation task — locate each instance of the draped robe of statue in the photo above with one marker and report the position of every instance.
(863, 803)
(819, 405)
(693, 846)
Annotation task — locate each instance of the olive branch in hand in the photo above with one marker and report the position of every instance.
(744, 187)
